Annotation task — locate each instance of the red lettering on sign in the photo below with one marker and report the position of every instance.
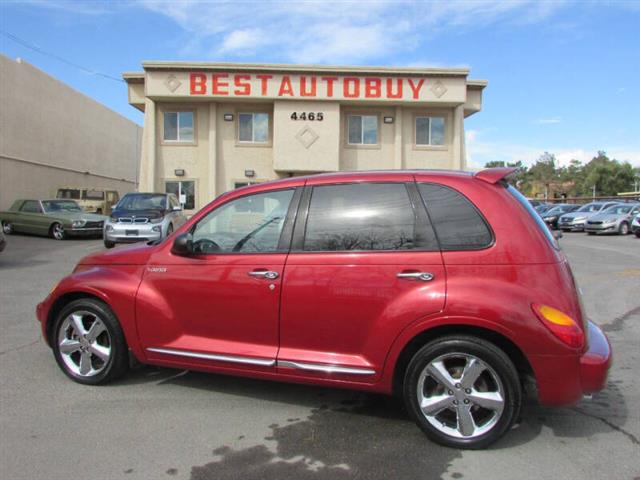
(303, 87)
(372, 87)
(416, 88)
(244, 84)
(263, 83)
(285, 87)
(198, 83)
(329, 81)
(356, 87)
(216, 84)
(390, 93)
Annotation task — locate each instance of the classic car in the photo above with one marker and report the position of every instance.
(54, 218)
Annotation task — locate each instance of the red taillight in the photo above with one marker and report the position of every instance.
(560, 324)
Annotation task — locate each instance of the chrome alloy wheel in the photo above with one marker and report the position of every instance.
(84, 343)
(58, 231)
(460, 395)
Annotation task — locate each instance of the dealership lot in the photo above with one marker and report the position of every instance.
(161, 423)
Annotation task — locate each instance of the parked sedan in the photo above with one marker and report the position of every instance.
(575, 221)
(543, 208)
(143, 217)
(616, 219)
(54, 218)
(552, 215)
(635, 226)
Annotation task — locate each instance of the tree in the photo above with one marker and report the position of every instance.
(609, 177)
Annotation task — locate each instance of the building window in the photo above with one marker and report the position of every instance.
(363, 129)
(178, 127)
(184, 190)
(429, 131)
(253, 127)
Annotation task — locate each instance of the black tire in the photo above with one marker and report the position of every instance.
(7, 228)
(118, 362)
(56, 231)
(623, 229)
(591, 233)
(499, 364)
(109, 244)
(638, 233)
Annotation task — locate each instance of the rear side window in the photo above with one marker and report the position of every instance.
(457, 222)
(363, 216)
(541, 225)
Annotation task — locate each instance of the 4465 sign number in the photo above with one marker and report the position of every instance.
(311, 116)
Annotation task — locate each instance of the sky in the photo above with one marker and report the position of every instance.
(562, 74)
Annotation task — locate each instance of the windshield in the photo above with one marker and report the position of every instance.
(143, 201)
(618, 209)
(558, 210)
(60, 206)
(590, 207)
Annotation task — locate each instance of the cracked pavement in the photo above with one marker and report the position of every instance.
(161, 423)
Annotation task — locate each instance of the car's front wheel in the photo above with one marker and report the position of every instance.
(57, 231)
(624, 228)
(7, 228)
(462, 391)
(88, 342)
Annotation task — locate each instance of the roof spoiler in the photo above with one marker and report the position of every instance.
(494, 175)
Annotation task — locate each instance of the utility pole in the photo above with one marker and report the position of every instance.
(594, 191)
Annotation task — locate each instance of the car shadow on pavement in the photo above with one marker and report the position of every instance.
(349, 434)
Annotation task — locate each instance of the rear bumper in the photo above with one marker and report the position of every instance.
(595, 362)
(564, 379)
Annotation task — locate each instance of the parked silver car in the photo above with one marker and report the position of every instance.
(143, 217)
(635, 226)
(616, 219)
(575, 221)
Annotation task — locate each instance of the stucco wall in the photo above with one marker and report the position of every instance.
(51, 134)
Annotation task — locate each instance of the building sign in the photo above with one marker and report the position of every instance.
(306, 86)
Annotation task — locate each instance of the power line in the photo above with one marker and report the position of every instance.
(35, 48)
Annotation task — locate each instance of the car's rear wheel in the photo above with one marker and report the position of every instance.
(462, 391)
(57, 231)
(7, 228)
(88, 342)
(623, 229)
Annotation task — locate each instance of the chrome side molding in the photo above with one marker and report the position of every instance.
(266, 362)
(315, 367)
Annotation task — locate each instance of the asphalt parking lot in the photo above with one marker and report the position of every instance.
(161, 423)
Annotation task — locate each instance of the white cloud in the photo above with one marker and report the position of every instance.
(333, 32)
(481, 151)
(548, 120)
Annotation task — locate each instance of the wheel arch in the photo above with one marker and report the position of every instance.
(61, 302)
(520, 361)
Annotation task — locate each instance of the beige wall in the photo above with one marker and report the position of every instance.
(51, 134)
(216, 160)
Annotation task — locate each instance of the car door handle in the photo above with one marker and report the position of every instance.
(423, 276)
(264, 274)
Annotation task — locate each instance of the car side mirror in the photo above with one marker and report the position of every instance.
(557, 235)
(183, 245)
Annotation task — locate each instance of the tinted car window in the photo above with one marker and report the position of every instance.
(364, 216)
(457, 222)
(541, 225)
(252, 223)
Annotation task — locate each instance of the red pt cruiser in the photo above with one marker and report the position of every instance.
(443, 287)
